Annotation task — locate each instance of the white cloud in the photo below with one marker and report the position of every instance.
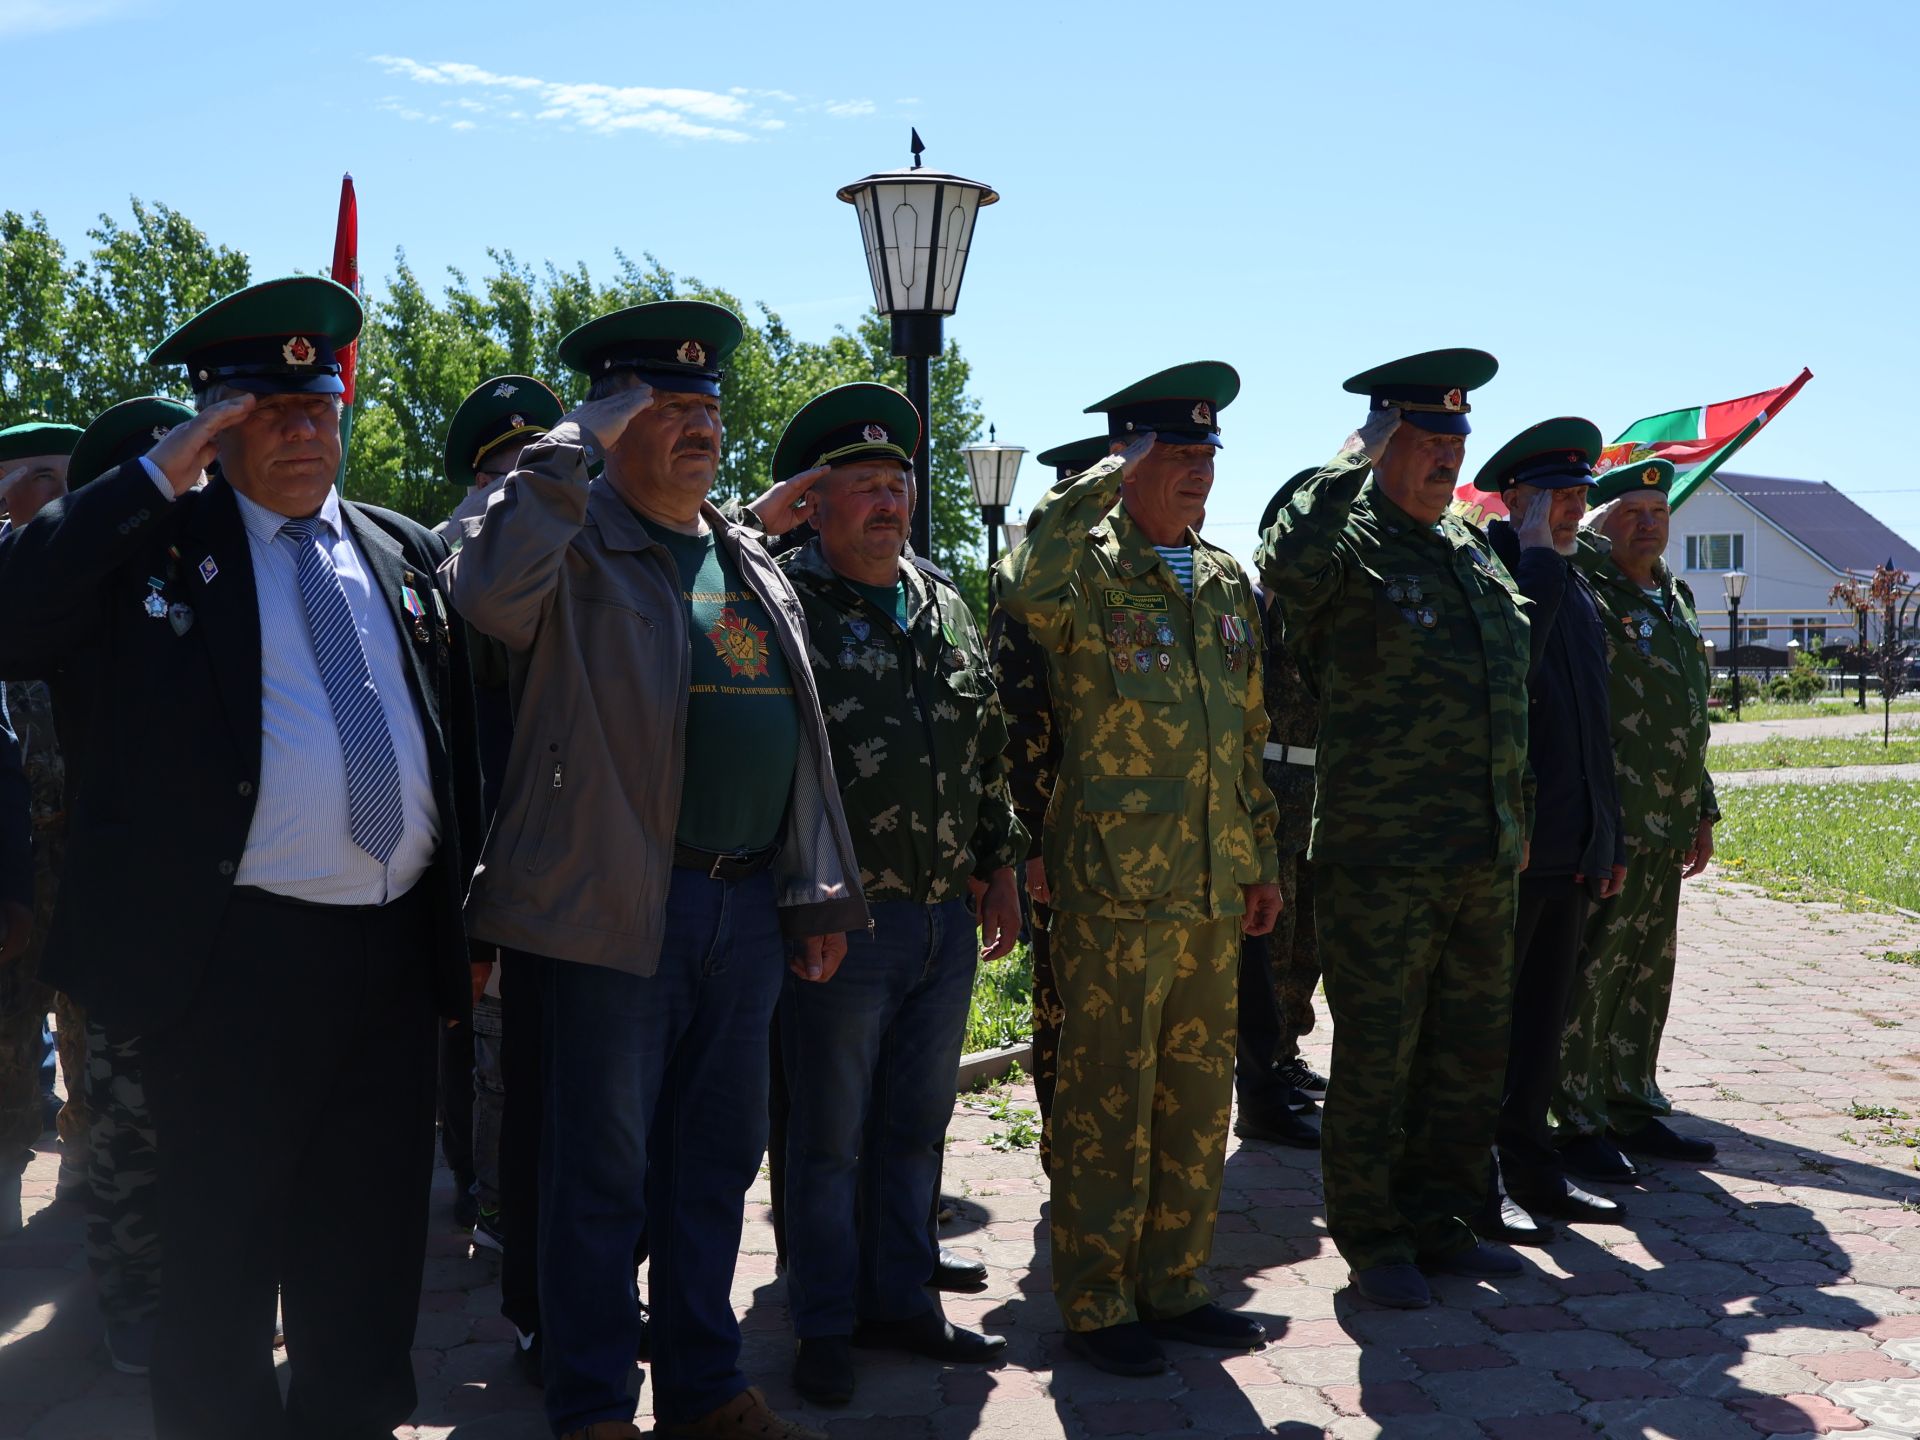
(32, 17)
(676, 113)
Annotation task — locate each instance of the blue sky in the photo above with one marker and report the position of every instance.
(1636, 206)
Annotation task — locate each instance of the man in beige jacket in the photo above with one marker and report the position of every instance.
(669, 833)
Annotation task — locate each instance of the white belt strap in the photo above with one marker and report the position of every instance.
(1290, 754)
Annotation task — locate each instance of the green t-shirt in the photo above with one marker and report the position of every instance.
(887, 599)
(742, 732)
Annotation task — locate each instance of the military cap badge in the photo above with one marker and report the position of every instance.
(160, 432)
(298, 351)
(1650, 475)
(516, 421)
(1202, 413)
(691, 352)
(503, 390)
(874, 434)
(1453, 399)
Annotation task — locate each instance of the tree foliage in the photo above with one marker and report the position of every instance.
(74, 334)
(1890, 597)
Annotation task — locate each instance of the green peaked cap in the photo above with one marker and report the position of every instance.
(121, 433)
(862, 421)
(1552, 455)
(37, 437)
(1180, 405)
(1430, 389)
(680, 345)
(505, 408)
(275, 338)
(1076, 456)
(1631, 476)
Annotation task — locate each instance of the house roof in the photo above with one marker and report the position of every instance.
(1825, 521)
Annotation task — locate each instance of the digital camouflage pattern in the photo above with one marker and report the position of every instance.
(1140, 1116)
(1414, 640)
(1609, 1053)
(123, 1180)
(1420, 987)
(1033, 755)
(1158, 817)
(1292, 947)
(918, 740)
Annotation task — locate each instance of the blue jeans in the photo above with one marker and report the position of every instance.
(870, 1058)
(655, 1119)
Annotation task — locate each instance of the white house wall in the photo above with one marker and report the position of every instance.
(1784, 580)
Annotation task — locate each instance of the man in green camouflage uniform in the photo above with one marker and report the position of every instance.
(1158, 848)
(1033, 752)
(1412, 634)
(919, 743)
(1609, 1099)
(1279, 972)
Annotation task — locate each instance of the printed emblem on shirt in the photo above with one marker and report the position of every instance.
(740, 644)
(1118, 599)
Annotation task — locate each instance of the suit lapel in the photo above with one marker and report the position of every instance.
(216, 568)
(392, 576)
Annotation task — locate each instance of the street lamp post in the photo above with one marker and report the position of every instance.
(1862, 653)
(1710, 649)
(1735, 582)
(917, 226)
(993, 468)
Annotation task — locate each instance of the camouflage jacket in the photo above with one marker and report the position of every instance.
(30, 706)
(918, 741)
(1414, 639)
(1658, 693)
(1159, 810)
(1033, 743)
(1293, 719)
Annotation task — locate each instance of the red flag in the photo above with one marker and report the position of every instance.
(346, 270)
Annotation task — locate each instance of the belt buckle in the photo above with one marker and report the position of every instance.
(736, 857)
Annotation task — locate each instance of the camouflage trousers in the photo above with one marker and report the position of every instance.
(1047, 1016)
(1293, 955)
(24, 1002)
(1419, 980)
(1140, 1112)
(1611, 1046)
(123, 1178)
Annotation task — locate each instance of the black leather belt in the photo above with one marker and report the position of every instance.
(724, 865)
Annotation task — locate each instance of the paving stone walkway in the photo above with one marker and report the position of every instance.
(1774, 1293)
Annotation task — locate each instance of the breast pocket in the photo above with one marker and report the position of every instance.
(1131, 834)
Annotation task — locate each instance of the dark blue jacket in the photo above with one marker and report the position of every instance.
(1576, 810)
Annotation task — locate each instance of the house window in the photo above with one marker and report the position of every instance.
(1810, 631)
(1756, 631)
(1715, 552)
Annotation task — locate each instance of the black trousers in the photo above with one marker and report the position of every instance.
(293, 1111)
(456, 1102)
(1550, 920)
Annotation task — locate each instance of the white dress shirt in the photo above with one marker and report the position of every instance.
(300, 843)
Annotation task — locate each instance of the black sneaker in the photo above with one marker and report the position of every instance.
(1128, 1349)
(1304, 1078)
(823, 1370)
(1399, 1287)
(1655, 1139)
(489, 1231)
(1213, 1327)
(1277, 1124)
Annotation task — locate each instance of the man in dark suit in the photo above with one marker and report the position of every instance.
(265, 862)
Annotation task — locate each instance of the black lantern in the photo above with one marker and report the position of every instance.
(993, 468)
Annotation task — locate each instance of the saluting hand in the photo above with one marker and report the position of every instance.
(605, 420)
(1263, 908)
(12, 478)
(1136, 451)
(787, 504)
(184, 452)
(1532, 515)
(1372, 437)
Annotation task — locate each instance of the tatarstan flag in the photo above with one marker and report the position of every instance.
(1700, 440)
(346, 271)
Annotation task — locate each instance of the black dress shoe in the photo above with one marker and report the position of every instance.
(1476, 1262)
(1655, 1139)
(958, 1273)
(933, 1336)
(823, 1370)
(1568, 1201)
(1128, 1349)
(1591, 1158)
(1212, 1326)
(1511, 1225)
(1400, 1287)
(1278, 1124)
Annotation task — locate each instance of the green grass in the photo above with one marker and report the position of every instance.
(1855, 842)
(1002, 1010)
(1781, 754)
(1779, 710)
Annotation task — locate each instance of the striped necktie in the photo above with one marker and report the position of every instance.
(374, 811)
